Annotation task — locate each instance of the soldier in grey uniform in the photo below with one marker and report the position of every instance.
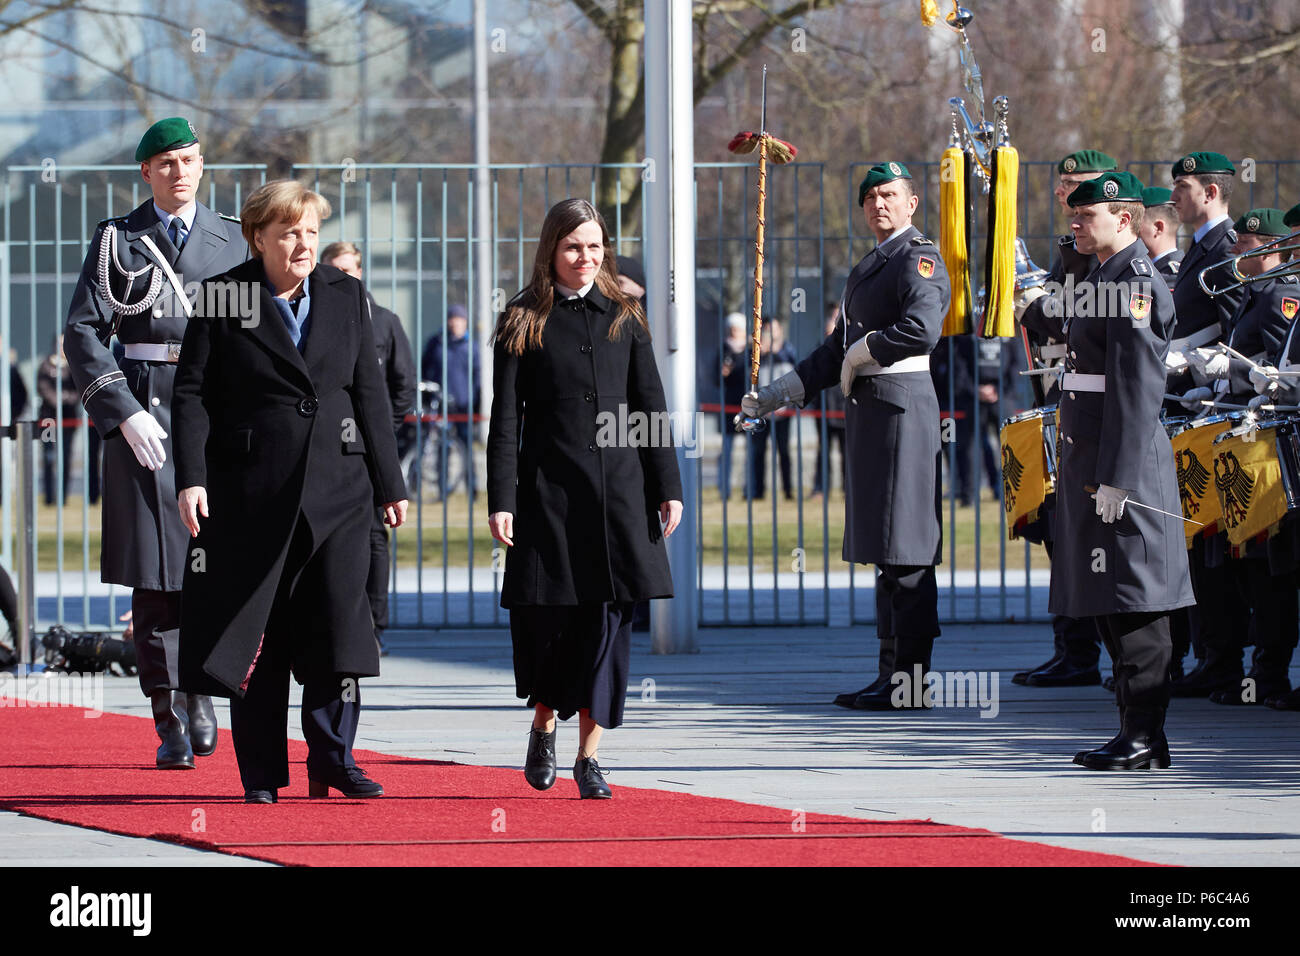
(132, 285)
(1076, 651)
(1202, 186)
(1117, 560)
(1159, 232)
(891, 317)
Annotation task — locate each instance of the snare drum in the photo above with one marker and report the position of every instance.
(1029, 456)
(1193, 444)
(1255, 489)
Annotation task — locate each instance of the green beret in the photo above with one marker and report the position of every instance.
(1264, 221)
(1087, 161)
(175, 132)
(1108, 187)
(881, 173)
(1157, 196)
(1292, 217)
(1202, 163)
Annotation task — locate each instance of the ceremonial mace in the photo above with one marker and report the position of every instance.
(780, 152)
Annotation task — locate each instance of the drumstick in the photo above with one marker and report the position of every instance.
(1287, 373)
(1050, 370)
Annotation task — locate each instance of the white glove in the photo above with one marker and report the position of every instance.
(1217, 366)
(1025, 297)
(1175, 361)
(786, 390)
(1110, 503)
(1192, 399)
(145, 436)
(858, 356)
(1263, 380)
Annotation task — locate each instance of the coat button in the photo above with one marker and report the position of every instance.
(1074, 355)
(1069, 440)
(591, 447)
(1072, 394)
(157, 311)
(585, 349)
(588, 396)
(156, 402)
(307, 407)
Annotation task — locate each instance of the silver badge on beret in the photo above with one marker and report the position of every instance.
(1188, 164)
(193, 131)
(1110, 189)
(895, 169)
(1070, 164)
(1252, 224)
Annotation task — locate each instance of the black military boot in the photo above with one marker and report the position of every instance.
(884, 671)
(1077, 664)
(1267, 679)
(203, 725)
(171, 720)
(1058, 652)
(908, 653)
(1217, 671)
(1139, 745)
(539, 765)
(1289, 701)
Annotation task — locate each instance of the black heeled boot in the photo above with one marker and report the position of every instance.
(588, 775)
(171, 720)
(203, 725)
(883, 673)
(539, 765)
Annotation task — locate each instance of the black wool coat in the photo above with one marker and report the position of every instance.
(144, 540)
(273, 434)
(584, 491)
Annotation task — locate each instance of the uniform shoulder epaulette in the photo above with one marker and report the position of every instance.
(1065, 240)
(921, 241)
(1289, 278)
(1231, 235)
(1141, 267)
(222, 215)
(105, 222)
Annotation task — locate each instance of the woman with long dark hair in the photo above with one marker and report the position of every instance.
(581, 486)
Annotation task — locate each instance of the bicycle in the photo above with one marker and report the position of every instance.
(440, 461)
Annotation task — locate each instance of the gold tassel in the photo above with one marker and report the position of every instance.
(952, 239)
(1000, 272)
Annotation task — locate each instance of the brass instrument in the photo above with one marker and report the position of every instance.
(1284, 246)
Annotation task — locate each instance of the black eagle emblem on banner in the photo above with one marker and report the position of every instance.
(1193, 480)
(1235, 488)
(1012, 471)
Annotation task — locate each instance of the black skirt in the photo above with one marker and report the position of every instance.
(572, 657)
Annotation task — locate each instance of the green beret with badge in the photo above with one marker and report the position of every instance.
(1292, 217)
(175, 132)
(1264, 221)
(881, 173)
(1121, 186)
(1157, 196)
(1203, 163)
(1087, 161)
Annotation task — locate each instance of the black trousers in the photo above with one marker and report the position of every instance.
(156, 630)
(331, 703)
(1273, 620)
(1217, 624)
(907, 602)
(1140, 648)
(377, 580)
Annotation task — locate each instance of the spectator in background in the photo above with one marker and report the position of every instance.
(735, 382)
(984, 394)
(397, 366)
(832, 412)
(59, 402)
(631, 278)
(458, 404)
(776, 358)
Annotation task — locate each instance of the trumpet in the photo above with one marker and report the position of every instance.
(1285, 246)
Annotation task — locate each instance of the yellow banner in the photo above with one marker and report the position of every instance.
(1248, 481)
(1193, 462)
(1025, 484)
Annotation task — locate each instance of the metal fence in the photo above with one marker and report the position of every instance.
(768, 561)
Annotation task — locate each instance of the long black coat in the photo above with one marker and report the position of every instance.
(1259, 330)
(1115, 437)
(271, 434)
(896, 297)
(144, 541)
(586, 522)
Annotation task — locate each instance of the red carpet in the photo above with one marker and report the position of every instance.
(58, 765)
